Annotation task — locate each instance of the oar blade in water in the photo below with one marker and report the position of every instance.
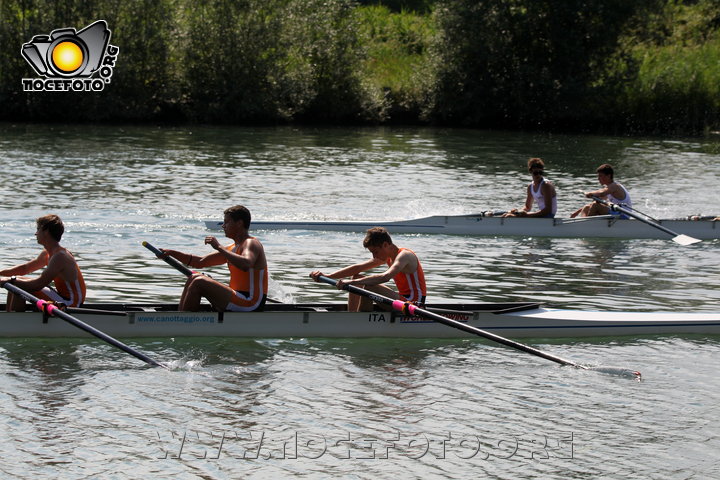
(683, 239)
(618, 371)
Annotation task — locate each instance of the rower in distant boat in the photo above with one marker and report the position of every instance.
(540, 191)
(612, 192)
(62, 270)
(403, 267)
(247, 264)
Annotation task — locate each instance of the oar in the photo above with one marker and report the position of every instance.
(677, 237)
(410, 309)
(179, 266)
(52, 310)
(169, 260)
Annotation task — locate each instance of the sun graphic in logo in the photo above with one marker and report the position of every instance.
(67, 56)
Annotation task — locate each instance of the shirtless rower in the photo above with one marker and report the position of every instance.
(403, 268)
(62, 270)
(246, 261)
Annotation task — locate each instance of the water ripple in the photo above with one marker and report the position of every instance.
(368, 408)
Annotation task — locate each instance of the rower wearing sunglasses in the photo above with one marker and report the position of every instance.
(539, 191)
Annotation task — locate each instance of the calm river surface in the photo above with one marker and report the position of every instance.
(319, 408)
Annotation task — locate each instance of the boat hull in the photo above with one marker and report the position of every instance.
(514, 321)
(599, 227)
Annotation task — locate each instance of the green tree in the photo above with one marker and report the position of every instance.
(231, 50)
(273, 60)
(523, 63)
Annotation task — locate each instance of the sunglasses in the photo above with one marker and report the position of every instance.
(536, 172)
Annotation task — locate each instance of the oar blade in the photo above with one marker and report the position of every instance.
(618, 371)
(684, 240)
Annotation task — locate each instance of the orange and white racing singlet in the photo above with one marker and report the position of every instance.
(71, 294)
(250, 287)
(411, 285)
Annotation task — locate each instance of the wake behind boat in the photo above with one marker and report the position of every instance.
(515, 320)
(605, 226)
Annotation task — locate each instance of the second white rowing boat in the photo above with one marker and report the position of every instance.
(605, 226)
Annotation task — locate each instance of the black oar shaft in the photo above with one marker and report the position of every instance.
(630, 213)
(55, 311)
(169, 260)
(399, 305)
(619, 208)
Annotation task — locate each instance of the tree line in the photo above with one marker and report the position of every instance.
(530, 64)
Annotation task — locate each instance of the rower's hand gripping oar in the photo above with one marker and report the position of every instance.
(410, 309)
(677, 237)
(52, 310)
(169, 260)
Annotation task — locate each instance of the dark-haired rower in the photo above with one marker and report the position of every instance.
(62, 270)
(403, 268)
(247, 264)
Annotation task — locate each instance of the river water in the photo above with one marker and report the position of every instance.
(319, 408)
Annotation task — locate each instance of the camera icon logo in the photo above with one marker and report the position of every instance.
(67, 54)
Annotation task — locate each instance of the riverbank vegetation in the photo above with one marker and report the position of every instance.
(646, 66)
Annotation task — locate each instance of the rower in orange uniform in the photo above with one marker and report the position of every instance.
(246, 261)
(404, 269)
(62, 270)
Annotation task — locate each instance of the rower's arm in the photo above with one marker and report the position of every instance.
(55, 267)
(528, 201)
(357, 268)
(195, 261)
(402, 261)
(210, 260)
(28, 267)
(598, 193)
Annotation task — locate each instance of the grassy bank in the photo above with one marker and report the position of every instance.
(396, 64)
(677, 86)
